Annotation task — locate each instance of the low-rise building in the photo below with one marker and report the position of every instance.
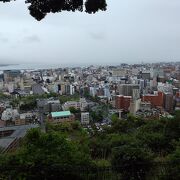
(10, 114)
(19, 122)
(61, 116)
(82, 104)
(48, 105)
(68, 104)
(145, 106)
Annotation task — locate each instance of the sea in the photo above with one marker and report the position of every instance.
(41, 66)
(31, 66)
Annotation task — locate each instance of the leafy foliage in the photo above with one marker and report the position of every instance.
(49, 155)
(174, 164)
(65, 98)
(97, 115)
(74, 110)
(132, 161)
(133, 148)
(40, 8)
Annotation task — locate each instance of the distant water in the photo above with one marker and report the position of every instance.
(30, 67)
(38, 66)
(45, 66)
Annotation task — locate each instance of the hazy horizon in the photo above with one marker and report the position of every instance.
(130, 31)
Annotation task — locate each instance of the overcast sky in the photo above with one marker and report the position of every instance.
(129, 31)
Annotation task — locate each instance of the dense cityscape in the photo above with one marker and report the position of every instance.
(89, 90)
(97, 107)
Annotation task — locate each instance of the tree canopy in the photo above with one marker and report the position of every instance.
(127, 149)
(45, 156)
(40, 8)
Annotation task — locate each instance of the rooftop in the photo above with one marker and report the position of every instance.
(18, 132)
(61, 114)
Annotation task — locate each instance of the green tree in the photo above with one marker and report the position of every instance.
(14, 102)
(46, 156)
(65, 98)
(157, 142)
(74, 110)
(100, 146)
(173, 169)
(40, 8)
(96, 116)
(114, 118)
(172, 127)
(117, 140)
(132, 161)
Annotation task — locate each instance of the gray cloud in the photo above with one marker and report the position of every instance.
(97, 36)
(130, 30)
(32, 39)
(4, 39)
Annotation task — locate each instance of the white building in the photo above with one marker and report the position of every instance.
(134, 106)
(68, 104)
(85, 118)
(71, 89)
(93, 91)
(10, 114)
(83, 104)
(1, 85)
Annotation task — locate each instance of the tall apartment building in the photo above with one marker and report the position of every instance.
(83, 104)
(12, 80)
(156, 99)
(134, 106)
(10, 75)
(145, 75)
(85, 118)
(168, 102)
(123, 102)
(129, 90)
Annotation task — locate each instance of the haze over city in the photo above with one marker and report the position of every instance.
(129, 31)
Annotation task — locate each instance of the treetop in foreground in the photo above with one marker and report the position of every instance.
(40, 8)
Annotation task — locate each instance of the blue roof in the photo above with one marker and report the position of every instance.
(60, 114)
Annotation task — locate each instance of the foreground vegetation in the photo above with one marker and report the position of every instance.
(129, 149)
